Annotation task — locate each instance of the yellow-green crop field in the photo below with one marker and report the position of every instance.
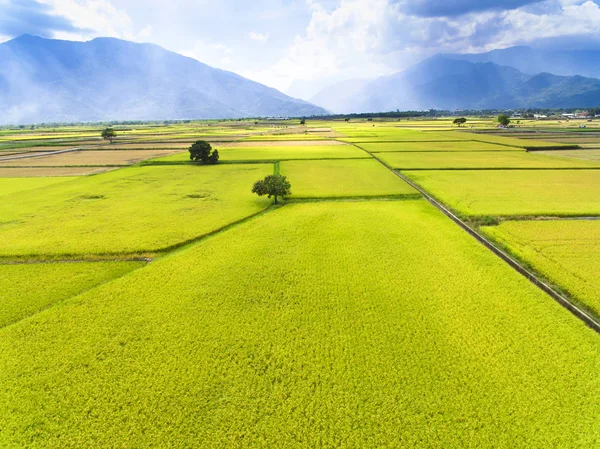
(425, 147)
(514, 192)
(343, 178)
(480, 160)
(133, 210)
(282, 153)
(30, 288)
(566, 251)
(9, 186)
(160, 303)
(337, 333)
(584, 155)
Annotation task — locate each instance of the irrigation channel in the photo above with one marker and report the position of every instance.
(586, 317)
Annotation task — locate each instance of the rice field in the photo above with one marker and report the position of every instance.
(584, 155)
(481, 160)
(47, 172)
(337, 333)
(343, 178)
(9, 186)
(355, 314)
(515, 142)
(514, 192)
(30, 288)
(565, 251)
(424, 147)
(133, 210)
(279, 153)
(88, 158)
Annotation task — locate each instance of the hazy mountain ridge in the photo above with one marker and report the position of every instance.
(444, 82)
(110, 79)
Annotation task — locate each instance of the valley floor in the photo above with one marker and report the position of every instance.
(150, 302)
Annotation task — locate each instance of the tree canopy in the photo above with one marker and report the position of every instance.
(202, 152)
(109, 134)
(273, 186)
(504, 120)
(460, 121)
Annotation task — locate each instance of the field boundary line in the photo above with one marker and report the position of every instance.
(584, 316)
(44, 154)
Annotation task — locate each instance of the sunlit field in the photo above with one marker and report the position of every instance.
(151, 301)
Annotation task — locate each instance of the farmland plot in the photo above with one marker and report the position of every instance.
(459, 146)
(281, 153)
(479, 160)
(584, 155)
(343, 178)
(373, 324)
(138, 209)
(9, 186)
(514, 192)
(43, 172)
(565, 251)
(85, 158)
(30, 288)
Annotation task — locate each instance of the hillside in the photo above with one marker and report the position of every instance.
(43, 80)
(445, 83)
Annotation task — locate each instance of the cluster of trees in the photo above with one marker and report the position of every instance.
(203, 153)
(460, 121)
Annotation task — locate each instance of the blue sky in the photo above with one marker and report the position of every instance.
(308, 44)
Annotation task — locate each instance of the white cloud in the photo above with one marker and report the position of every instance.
(259, 37)
(214, 54)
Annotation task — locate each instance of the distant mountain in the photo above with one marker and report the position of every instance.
(445, 83)
(337, 98)
(533, 60)
(43, 80)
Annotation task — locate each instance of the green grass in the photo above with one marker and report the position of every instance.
(346, 178)
(28, 289)
(9, 186)
(514, 192)
(375, 324)
(565, 251)
(434, 146)
(479, 160)
(277, 153)
(515, 142)
(133, 210)
(584, 155)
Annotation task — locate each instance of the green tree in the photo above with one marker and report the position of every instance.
(303, 121)
(504, 120)
(460, 121)
(273, 186)
(109, 134)
(202, 152)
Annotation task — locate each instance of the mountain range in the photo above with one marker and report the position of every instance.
(45, 80)
(518, 77)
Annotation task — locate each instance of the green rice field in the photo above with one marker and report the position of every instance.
(480, 160)
(282, 153)
(565, 251)
(133, 210)
(9, 186)
(150, 302)
(344, 338)
(422, 147)
(343, 178)
(30, 288)
(514, 192)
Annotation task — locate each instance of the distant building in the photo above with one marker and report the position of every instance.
(538, 116)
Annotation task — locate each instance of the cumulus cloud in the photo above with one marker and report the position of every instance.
(259, 37)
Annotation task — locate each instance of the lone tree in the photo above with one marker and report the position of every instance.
(303, 121)
(460, 121)
(274, 186)
(504, 120)
(202, 152)
(109, 134)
